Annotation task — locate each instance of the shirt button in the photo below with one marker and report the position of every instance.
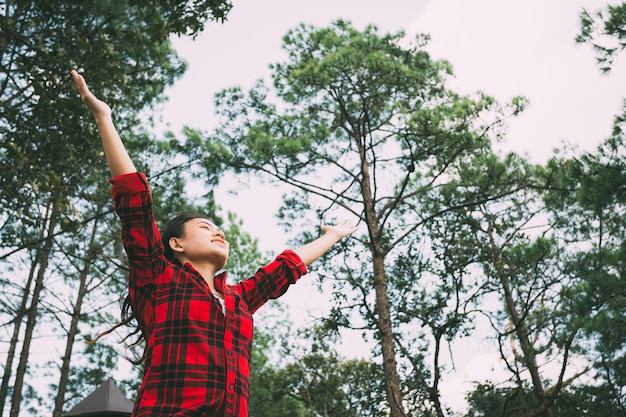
(230, 386)
(230, 353)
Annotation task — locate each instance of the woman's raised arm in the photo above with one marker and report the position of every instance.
(117, 157)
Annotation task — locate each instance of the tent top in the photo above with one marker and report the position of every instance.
(106, 399)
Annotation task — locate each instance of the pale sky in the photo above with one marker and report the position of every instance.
(504, 48)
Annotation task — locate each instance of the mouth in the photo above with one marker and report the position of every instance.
(219, 241)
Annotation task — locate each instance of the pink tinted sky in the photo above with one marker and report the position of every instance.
(503, 48)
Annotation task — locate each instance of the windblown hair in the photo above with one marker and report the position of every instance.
(174, 228)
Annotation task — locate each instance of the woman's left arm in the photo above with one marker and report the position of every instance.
(318, 247)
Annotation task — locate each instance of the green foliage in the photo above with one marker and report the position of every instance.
(269, 394)
(183, 18)
(510, 269)
(270, 397)
(123, 49)
(600, 261)
(605, 30)
(489, 400)
(364, 126)
(309, 377)
(87, 377)
(53, 179)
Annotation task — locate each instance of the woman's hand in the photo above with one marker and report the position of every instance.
(96, 106)
(116, 155)
(332, 234)
(342, 229)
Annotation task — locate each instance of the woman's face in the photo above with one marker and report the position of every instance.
(202, 242)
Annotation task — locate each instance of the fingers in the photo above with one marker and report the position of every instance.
(81, 84)
(78, 80)
(342, 229)
(347, 224)
(96, 106)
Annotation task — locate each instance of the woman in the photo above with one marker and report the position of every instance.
(197, 328)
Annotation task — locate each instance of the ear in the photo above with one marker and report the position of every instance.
(176, 244)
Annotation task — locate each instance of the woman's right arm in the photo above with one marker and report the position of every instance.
(131, 195)
(117, 157)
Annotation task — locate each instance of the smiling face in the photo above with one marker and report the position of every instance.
(201, 243)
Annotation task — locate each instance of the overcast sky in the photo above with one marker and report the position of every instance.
(504, 48)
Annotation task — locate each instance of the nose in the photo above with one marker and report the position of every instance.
(218, 232)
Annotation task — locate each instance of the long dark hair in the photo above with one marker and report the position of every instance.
(176, 228)
(173, 228)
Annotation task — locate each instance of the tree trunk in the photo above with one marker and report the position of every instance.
(19, 317)
(385, 331)
(73, 329)
(528, 357)
(394, 391)
(32, 314)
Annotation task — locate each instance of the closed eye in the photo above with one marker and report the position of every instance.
(210, 227)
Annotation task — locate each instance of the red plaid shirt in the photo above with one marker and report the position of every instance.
(198, 356)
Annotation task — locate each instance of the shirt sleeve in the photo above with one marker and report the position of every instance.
(272, 280)
(140, 235)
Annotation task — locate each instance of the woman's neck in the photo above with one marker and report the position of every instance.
(208, 272)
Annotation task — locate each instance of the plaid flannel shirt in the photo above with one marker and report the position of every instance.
(198, 355)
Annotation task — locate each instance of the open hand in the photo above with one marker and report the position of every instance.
(342, 229)
(96, 106)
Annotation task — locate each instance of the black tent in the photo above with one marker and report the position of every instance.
(106, 401)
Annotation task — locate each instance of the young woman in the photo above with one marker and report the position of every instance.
(197, 328)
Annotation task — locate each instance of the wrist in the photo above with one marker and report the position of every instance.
(102, 118)
(333, 235)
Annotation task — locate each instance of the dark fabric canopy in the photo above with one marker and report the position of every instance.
(106, 401)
